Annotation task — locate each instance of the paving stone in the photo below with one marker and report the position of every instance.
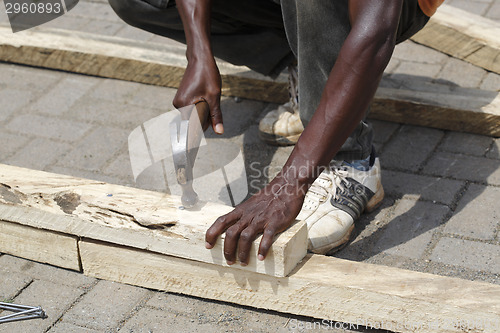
(12, 284)
(106, 113)
(474, 7)
(130, 32)
(62, 327)
(494, 11)
(462, 73)
(35, 270)
(440, 190)
(105, 306)
(152, 320)
(65, 94)
(65, 22)
(491, 81)
(392, 65)
(154, 97)
(418, 69)
(413, 52)
(120, 167)
(54, 299)
(410, 147)
(48, 127)
(87, 174)
(95, 10)
(215, 316)
(115, 90)
(27, 78)
(38, 154)
(102, 27)
(474, 255)
(96, 148)
(410, 230)
(465, 143)
(465, 167)
(495, 150)
(17, 99)
(383, 130)
(10, 144)
(477, 214)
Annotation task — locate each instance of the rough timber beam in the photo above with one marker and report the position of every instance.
(458, 109)
(463, 35)
(127, 216)
(48, 208)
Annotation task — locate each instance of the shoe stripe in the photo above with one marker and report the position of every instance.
(353, 199)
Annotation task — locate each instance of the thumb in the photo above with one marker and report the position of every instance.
(216, 118)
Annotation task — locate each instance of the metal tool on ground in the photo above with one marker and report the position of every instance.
(186, 136)
(20, 312)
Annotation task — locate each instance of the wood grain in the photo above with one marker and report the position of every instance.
(321, 287)
(132, 217)
(39, 245)
(463, 35)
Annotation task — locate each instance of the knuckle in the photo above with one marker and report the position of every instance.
(247, 235)
(231, 233)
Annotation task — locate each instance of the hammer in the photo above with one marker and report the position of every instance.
(185, 137)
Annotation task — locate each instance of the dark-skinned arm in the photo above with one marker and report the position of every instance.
(201, 80)
(349, 90)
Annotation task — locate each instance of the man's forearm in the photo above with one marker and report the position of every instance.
(347, 95)
(195, 16)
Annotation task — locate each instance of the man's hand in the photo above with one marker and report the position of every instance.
(269, 212)
(202, 82)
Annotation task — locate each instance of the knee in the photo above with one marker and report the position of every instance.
(127, 10)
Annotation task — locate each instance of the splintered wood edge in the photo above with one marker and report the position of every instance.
(321, 287)
(157, 64)
(30, 197)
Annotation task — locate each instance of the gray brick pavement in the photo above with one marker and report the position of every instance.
(105, 306)
(478, 214)
(410, 147)
(427, 222)
(473, 255)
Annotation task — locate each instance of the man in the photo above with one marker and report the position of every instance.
(342, 48)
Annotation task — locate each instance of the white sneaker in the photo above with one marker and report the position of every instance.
(335, 200)
(283, 126)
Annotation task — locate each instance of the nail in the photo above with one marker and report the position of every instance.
(208, 245)
(219, 129)
(230, 262)
(243, 264)
(261, 257)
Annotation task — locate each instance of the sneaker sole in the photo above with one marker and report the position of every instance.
(279, 140)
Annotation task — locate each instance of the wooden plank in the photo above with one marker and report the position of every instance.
(463, 35)
(321, 287)
(164, 65)
(132, 217)
(479, 113)
(39, 245)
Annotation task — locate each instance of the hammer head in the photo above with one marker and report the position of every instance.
(185, 136)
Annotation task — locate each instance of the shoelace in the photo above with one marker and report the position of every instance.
(335, 178)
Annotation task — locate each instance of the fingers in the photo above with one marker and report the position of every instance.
(219, 226)
(266, 242)
(231, 241)
(245, 242)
